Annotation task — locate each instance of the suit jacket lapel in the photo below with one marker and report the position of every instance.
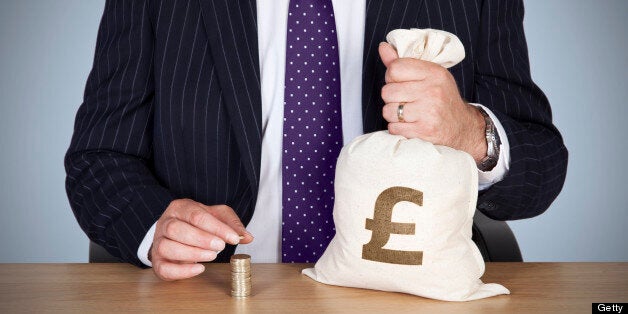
(381, 18)
(231, 27)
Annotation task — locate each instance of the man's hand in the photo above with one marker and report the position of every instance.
(433, 108)
(189, 232)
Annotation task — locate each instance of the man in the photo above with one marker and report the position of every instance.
(196, 113)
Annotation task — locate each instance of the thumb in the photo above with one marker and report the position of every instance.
(226, 214)
(387, 53)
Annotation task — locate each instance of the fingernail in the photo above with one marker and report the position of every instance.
(249, 234)
(381, 43)
(198, 268)
(208, 256)
(233, 238)
(217, 245)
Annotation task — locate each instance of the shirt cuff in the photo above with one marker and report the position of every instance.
(142, 251)
(487, 178)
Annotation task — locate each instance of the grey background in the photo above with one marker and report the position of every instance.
(578, 57)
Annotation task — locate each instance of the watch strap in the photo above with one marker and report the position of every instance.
(492, 142)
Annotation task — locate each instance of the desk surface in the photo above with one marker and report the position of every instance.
(535, 288)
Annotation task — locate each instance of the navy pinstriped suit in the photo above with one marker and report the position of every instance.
(172, 109)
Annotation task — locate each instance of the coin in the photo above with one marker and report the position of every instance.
(240, 257)
(240, 275)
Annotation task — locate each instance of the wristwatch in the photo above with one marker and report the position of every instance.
(492, 142)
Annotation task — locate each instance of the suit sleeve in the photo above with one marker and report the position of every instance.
(112, 190)
(503, 83)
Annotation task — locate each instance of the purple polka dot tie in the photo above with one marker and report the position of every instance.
(312, 130)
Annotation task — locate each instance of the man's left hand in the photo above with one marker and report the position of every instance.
(433, 109)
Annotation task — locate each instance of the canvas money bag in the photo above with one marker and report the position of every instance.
(404, 207)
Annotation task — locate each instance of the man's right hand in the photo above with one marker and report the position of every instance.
(189, 232)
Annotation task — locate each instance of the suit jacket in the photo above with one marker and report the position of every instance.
(172, 109)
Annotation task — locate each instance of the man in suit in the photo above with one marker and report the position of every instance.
(186, 131)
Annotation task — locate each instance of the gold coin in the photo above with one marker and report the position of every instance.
(241, 280)
(240, 275)
(238, 257)
(241, 283)
(240, 268)
(241, 272)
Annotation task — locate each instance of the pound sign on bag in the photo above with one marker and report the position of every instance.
(383, 227)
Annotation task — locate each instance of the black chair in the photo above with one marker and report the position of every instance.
(494, 238)
(98, 254)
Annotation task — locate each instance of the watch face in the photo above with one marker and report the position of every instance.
(488, 164)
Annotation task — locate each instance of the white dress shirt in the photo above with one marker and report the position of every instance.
(272, 18)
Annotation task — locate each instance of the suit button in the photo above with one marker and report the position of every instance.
(487, 206)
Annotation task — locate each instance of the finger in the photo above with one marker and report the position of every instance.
(172, 271)
(407, 130)
(176, 251)
(185, 233)
(411, 112)
(246, 238)
(202, 219)
(228, 216)
(402, 92)
(388, 53)
(408, 69)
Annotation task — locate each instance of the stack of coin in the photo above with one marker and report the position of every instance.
(240, 275)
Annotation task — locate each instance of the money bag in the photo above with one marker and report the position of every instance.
(404, 208)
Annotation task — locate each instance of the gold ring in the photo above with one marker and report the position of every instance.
(400, 112)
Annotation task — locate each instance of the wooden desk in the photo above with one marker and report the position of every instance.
(535, 287)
